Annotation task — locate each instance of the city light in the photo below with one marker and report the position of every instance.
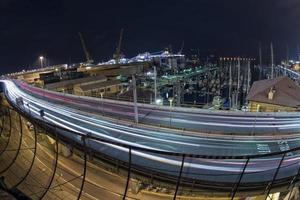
(42, 61)
(159, 102)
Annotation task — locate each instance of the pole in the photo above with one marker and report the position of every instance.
(42, 64)
(248, 77)
(136, 116)
(272, 61)
(230, 83)
(155, 84)
(102, 103)
(260, 62)
(298, 51)
(287, 53)
(171, 104)
(238, 83)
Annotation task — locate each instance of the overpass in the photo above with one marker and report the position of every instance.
(226, 151)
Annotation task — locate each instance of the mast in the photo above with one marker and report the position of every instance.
(272, 61)
(298, 52)
(230, 83)
(260, 62)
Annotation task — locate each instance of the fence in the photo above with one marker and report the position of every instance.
(50, 162)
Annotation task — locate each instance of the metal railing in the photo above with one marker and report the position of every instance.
(281, 170)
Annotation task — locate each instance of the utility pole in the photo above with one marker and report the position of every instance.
(272, 61)
(136, 115)
(155, 84)
(260, 62)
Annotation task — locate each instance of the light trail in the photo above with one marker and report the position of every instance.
(70, 119)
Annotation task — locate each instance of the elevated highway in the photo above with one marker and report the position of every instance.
(241, 161)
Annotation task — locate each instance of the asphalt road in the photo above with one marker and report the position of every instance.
(209, 121)
(213, 170)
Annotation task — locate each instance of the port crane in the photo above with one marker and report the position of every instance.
(117, 55)
(88, 57)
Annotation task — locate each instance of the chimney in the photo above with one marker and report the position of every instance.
(271, 93)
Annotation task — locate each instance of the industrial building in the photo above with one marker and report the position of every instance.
(98, 89)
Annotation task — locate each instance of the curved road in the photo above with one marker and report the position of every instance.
(212, 170)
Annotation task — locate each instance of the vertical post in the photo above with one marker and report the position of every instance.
(42, 62)
(179, 177)
(29, 108)
(155, 84)
(275, 175)
(272, 61)
(230, 83)
(128, 174)
(171, 104)
(83, 138)
(260, 62)
(101, 94)
(240, 179)
(238, 82)
(298, 51)
(55, 167)
(248, 77)
(178, 99)
(136, 115)
(287, 53)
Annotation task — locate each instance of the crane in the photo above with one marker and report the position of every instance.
(88, 57)
(118, 50)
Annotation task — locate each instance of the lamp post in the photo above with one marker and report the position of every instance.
(171, 104)
(29, 108)
(42, 61)
(136, 115)
(155, 84)
(101, 94)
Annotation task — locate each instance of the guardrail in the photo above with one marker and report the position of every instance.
(180, 181)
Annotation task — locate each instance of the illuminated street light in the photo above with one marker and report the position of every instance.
(101, 94)
(171, 104)
(158, 102)
(42, 61)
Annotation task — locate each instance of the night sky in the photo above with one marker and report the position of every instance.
(30, 28)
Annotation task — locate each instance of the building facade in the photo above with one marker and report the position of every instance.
(274, 95)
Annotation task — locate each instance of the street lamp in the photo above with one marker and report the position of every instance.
(101, 93)
(171, 104)
(42, 61)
